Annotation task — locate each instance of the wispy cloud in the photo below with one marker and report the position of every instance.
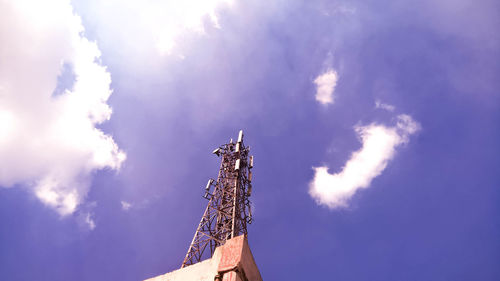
(379, 144)
(325, 86)
(384, 106)
(126, 205)
(90, 221)
(50, 143)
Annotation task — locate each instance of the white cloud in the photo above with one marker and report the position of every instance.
(384, 106)
(90, 221)
(379, 145)
(325, 86)
(126, 205)
(49, 142)
(138, 26)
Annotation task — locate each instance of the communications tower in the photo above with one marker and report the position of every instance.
(219, 250)
(228, 210)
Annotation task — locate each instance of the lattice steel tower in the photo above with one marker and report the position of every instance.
(228, 211)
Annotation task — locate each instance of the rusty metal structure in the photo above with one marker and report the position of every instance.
(228, 210)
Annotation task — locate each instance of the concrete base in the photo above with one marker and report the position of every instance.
(232, 261)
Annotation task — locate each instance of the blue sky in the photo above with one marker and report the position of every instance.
(374, 126)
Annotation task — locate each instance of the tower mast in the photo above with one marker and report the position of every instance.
(228, 210)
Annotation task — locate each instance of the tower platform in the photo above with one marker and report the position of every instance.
(232, 261)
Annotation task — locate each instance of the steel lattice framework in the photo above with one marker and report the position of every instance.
(228, 211)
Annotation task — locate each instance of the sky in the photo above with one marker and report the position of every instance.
(374, 126)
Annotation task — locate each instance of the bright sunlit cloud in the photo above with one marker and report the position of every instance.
(379, 144)
(140, 26)
(50, 143)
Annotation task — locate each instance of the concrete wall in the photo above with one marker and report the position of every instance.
(232, 261)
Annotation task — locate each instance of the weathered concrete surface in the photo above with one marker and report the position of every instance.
(236, 256)
(203, 271)
(232, 261)
(231, 276)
